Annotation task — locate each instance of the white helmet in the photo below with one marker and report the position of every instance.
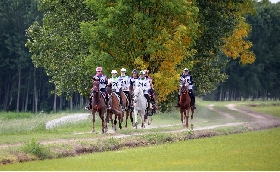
(123, 70)
(114, 71)
(186, 70)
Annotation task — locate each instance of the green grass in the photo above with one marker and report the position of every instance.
(254, 151)
(272, 110)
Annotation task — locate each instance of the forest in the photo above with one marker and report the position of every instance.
(48, 52)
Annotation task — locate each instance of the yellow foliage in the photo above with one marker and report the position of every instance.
(236, 45)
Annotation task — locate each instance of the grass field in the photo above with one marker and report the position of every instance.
(22, 128)
(252, 151)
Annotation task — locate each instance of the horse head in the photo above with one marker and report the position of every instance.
(96, 86)
(183, 88)
(137, 93)
(109, 89)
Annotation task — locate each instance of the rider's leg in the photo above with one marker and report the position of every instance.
(148, 101)
(193, 98)
(121, 101)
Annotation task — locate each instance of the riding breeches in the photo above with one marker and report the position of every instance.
(148, 99)
(121, 101)
(127, 95)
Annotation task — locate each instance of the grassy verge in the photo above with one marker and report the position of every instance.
(257, 151)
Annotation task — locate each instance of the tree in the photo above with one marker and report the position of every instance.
(56, 45)
(162, 36)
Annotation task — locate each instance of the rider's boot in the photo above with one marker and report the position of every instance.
(194, 107)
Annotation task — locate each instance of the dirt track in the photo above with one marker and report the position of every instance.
(258, 121)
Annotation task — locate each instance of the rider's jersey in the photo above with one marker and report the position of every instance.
(144, 84)
(125, 82)
(116, 84)
(132, 82)
(187, 80)
(103, 80)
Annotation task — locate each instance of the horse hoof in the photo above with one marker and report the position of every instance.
(92, 131)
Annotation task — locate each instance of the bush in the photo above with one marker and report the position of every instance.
(37, 149)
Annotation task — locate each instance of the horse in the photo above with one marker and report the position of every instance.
(116, 110)
(98, 105)
(126, 105)
(153, 107)
(140, 105)
(185, 104)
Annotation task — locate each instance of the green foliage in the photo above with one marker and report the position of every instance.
(57, 46)
(36, 148)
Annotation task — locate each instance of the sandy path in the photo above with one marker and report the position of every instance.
(260, 121)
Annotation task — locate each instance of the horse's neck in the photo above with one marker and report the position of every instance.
(185, 96)
(96, 96)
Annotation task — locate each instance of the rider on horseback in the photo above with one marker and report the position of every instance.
(125, 83)
(144, 83)
(103, 82)
(151, 91)
(188, 80)
(116, 85)
(133, 78)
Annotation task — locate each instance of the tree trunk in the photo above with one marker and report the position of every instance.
(35, 92)
(60, 102)
(26, 99)
(6, 97)
(18, 90)
(71, 103)
(221, 92)
(54, 100)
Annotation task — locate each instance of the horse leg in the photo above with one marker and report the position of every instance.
(126, 117)
(93, 120)
(187, 117)
(131, 118)
(120, 123)
(182, 116)
(192, 110)
(115, 122)
(142, 119)
(135, 117)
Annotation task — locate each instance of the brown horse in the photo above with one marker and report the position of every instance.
(115, 109)
(98, 105)
(185, 104)
(127, 105)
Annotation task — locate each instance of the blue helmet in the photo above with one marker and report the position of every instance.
(134, 71)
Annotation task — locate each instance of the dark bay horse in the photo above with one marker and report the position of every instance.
(98, 105)
(185, 104)
(127, 105)
(115, 109)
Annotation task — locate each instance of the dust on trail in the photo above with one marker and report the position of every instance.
(220, 112)
(66, 119)
(252, 114)
(259, 121)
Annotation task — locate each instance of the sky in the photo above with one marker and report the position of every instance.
(274, 1)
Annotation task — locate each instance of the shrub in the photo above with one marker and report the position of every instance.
(37, 149)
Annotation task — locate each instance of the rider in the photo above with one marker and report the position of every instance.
(125, 83)
(116, 85)
(189, 82)
(144, 83)
(133, 78)
(151, 91)
(103, 82)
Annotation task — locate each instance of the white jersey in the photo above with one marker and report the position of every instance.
(187, 81)
(125, 82)
(116, 84)
(133, 82)
(144, 84)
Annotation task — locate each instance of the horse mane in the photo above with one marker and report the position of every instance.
(141, 103)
